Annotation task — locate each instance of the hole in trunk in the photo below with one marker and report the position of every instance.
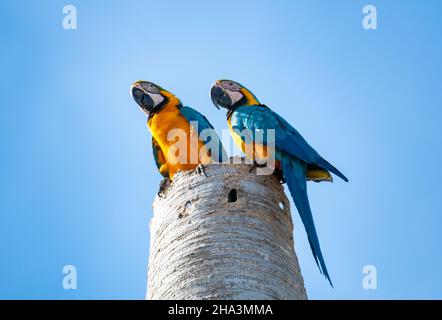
(232, 197)
(188, 206)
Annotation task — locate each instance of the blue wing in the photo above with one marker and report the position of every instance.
(288, 139)
(295, 155)
(159, 158)
(192, 115)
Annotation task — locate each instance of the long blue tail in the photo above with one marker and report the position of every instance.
(294, 172)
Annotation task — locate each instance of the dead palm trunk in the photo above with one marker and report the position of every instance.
(227, 235)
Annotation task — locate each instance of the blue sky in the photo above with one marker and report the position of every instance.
(77, 174)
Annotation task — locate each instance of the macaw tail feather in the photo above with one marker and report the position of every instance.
(328, 166)
(295, 174)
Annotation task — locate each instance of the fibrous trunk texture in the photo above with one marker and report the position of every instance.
(224, 233)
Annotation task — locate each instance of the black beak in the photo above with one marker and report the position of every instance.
(219, 97)
(145, 102)
(215, 94)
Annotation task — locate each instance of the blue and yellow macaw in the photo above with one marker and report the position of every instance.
(295, 159)
(166, 113)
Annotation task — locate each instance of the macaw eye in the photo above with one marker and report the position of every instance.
(149, 87)
(230, 85)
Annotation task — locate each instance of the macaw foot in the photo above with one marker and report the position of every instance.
(278, 174)
(256, 165)
(201, 169)
(163, 186)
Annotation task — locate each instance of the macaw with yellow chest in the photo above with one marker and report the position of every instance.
(167, 118)
(295, 160)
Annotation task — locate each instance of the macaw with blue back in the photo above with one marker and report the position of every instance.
(165, 114)
(296, 161)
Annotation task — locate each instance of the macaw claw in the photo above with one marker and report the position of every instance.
(256, 165)
(278, 174)
(163, 186)
(201, 169)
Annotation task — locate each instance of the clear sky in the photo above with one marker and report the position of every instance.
(77, 173)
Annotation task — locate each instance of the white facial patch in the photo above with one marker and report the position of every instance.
(157, 98)
(235, 96)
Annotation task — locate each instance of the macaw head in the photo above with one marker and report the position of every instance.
(229, 94)
(151, 97)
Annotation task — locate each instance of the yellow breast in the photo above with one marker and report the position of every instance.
(178, 141)
(252, 150)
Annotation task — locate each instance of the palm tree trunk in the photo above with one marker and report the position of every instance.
(227, 235)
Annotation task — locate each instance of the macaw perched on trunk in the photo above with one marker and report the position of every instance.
(167, 118)
(295, 160)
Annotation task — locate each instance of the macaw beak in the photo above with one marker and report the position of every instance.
(219, 97)
(215, 93)
(142, 98)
